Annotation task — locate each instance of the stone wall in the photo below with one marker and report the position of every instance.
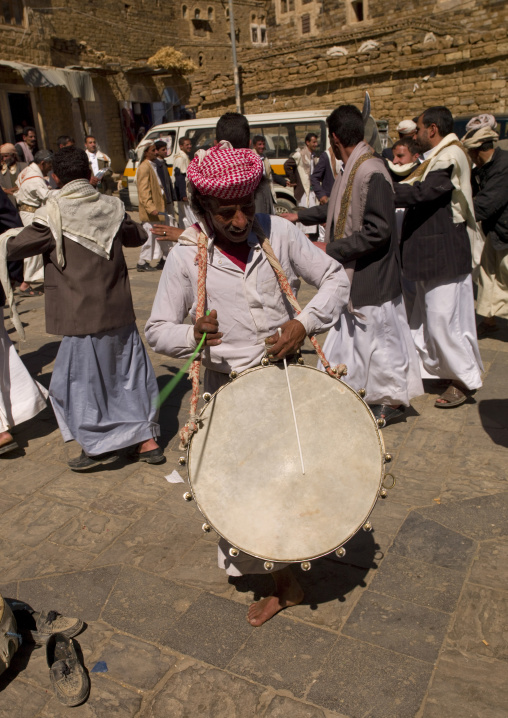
(456, 55)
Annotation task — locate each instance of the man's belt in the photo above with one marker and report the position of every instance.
(26, 208)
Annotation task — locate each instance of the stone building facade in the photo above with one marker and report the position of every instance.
(408, 55)
(294, 54)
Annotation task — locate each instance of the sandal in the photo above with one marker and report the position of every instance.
(9, 446)
(453, 396)
(30, 292)
(384, 413)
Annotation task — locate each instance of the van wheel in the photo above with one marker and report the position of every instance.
(284, 205)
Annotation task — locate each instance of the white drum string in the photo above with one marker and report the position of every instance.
(293, 408)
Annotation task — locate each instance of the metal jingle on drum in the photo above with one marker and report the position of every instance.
(389, 486)
(361, 392)
(301, 360)
(340, 552)
(388, 458)
(268, 565)
(265, 361)
(182, 460)
(233, 374)
(233, 552)
(206, 528)
(207, 396)
(367, 526)
(305, 566)
(383, 493)
(187, 496)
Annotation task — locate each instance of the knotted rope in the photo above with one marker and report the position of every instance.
(202, 260)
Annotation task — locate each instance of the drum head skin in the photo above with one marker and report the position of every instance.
(245, 471)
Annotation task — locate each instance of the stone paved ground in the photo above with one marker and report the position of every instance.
(411, 623)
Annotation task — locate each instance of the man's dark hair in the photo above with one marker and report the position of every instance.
(439, 116)
(71, 163)
(182, 140)
(409, 143)
(258, 138)
(63, 140)
(26, 130)
(310, 136)
(346, 123)
(90, 137)
(43, 156)
(160, 144)
(234, 128)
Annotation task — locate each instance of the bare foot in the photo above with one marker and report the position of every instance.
(288, 592)
(148, 445)
(5, 438)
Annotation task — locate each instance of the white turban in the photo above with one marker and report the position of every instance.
(476, 123)
(406, 127)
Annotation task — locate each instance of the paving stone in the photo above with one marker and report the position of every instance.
(419, 582)
(471, 461)
(426, 451)
(106, 699)
(398, 625)
(388, 516)
(493, 412)
(467, 686)
(429, 541)
(119, 505)
(364, 680)
(199, 691)
(480, 623)
(173, 502)
(212, 630)
(490, 566)
(198, 567)
(90, 531)
(458, 487)
(155, 543)
(21, 700)
(22, 478)
(10, 554)
(8, 590)
(34, 520)
(145, 485)
(331, 591)
(77, 490)
(485, 517)
(44, 560)
(81, 594)
(304, 649)
(145, 605)
(134, 662)
(282, 707)
(416, 488)
(7, 503)
(365, 550)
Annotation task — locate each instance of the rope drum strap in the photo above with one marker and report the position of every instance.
(337, 371)
(346, 197)
(191, 426)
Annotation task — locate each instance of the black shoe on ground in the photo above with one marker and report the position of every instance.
(145, 268)
(385, 414)
(68, 678)
(83, 462)
(154, 456)
(160, 264)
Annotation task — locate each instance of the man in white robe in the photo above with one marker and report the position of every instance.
(440, 245)
(242, 289)
(186, 216)
(33, 191)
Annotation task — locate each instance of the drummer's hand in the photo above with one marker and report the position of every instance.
(292, 338)
(210, 325)
(165, 232)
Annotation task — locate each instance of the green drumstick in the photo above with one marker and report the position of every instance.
(163, 395)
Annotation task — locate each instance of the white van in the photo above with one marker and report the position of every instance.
(284, 132)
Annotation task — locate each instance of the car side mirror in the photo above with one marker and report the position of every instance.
(133, 156)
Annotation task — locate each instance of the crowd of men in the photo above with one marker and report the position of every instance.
(392, 260)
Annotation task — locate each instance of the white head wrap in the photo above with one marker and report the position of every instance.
(406, 127)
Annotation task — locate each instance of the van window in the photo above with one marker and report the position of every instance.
(167, 135)
(285, 137)
(202, 138)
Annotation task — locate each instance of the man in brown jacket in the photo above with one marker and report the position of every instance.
(103, 387)
(152, 203)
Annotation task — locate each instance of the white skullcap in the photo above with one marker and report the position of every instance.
(406, 127)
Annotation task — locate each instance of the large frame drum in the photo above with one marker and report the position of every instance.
(246, 475)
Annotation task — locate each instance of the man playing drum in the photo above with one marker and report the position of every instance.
(246, 303)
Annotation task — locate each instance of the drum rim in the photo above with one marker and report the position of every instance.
(303, 558)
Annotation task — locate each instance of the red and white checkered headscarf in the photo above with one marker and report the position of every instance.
(224, 172)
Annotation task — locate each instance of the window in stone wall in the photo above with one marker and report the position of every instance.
(291, 5)
(304, 2)
(210, 14)
(200, 59)
(263, 37)
(305, 24)
(11, 12)
(254, 34)
(356, 11)
(197, 14)
(283, 6)
(184, 11)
